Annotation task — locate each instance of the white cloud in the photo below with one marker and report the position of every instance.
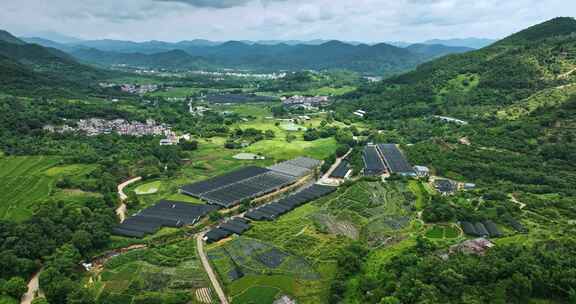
(367, 20)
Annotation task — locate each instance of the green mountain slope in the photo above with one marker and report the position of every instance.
(30, 67)
(481, 83)
(519, 149)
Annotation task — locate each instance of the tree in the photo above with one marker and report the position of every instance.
(214, 216)
(82, 240)
(81, 296)
(269, 134)
(189, 145)
(15, 287)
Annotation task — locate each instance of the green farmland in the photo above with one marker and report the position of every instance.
(304, 243)
(29, 180)
(168, 273)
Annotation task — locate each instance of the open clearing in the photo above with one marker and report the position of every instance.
(148, 188)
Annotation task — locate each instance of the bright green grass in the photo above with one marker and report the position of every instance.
(148, 188)
(76, 169)
(279, 149)
(257, 295)
(420, 192)
(435, 232)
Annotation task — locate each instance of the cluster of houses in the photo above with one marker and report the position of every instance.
(98, 126)
(138, 89)
(478, 246)
(221, 75)
(306, 102)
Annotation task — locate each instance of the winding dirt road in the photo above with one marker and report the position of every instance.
(121, 210)
(33, 289)
(209, 270)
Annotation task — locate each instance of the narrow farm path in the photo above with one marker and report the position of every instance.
(209, 270)
(565, 75)
(516, 201)
(33, 289)
(121, 210)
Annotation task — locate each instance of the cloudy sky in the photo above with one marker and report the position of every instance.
(359, 20)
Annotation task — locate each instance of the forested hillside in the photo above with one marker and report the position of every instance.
(518, 101)
(480, 83)
(31, 69)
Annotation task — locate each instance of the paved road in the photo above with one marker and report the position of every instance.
(121, 210)
(209, 270)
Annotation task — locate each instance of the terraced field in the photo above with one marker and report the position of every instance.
(383, 214)
(27, 181)
(160, 274)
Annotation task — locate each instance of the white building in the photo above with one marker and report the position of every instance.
(422, 171)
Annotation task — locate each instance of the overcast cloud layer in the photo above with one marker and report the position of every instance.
(359, 20)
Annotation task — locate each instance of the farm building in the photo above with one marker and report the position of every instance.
(395, 160)
(468, 228)
(492, 228)
(235, 226)
(421, 171)
(445, 186)
(216, 235)
(481, 230)
(343, 171)
(373, 163)
(385, 158)
(163, 214)
(476, 246)
(277, 208)
(257, 215)
(230, 189)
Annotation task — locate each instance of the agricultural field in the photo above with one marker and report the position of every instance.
(295, 255)
(29, 180)
(159, 274)
(438, 232)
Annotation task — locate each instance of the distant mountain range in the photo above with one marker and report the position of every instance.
(378, 59)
